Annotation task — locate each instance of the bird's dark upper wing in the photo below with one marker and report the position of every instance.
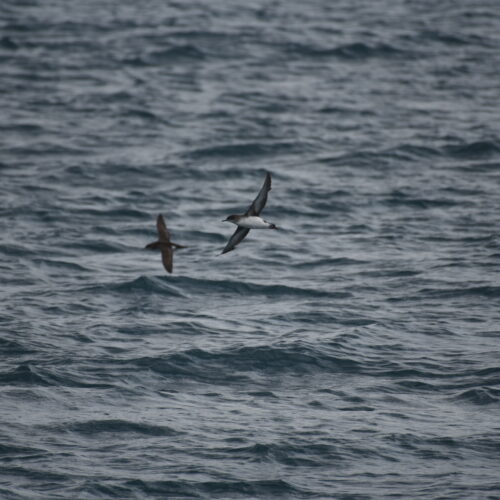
(237, 236)
(163, 234)
(167, 255)
(260, 202)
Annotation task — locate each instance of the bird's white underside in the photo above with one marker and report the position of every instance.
(252, 222)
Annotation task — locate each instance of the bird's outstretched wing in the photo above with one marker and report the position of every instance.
(167, 255)
(163, 234)
(237, 236)
(260, 202)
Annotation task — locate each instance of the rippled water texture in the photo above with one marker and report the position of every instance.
(352, 354)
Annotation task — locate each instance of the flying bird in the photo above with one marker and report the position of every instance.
(164, 244)
(251, 218)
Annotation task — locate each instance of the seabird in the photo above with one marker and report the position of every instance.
(250, 219)
(164, 244)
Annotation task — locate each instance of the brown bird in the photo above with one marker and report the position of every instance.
(164, 244)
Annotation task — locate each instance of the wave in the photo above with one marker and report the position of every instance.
(412, 152)
(24, 375)
(23, 128)
(45, 148)
(446, 444)
(318, 318)
(384, 158)
(11, 348)
(143, 114)
(334, 262)
(12, 249)
(32, 475)
(61, 264)
(356, 159)
(113, 426)
(399, 198)
(448, 39)
(97, 245)
(123, 212)
(479, 396)
(353, 51)
(290, 454)
(474, 150)
(225, 489)
(142, 284)
(238, 363)
(477, 291)
(6, 42)
(182, 286)
(177, 53)
(28, 375)
(390, 273)
(246, 150)
(442, 293)
(246, 289)
(416, 152)
(8, 450)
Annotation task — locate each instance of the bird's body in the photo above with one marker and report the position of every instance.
(251, 218)
(253, 222)
(164, 244)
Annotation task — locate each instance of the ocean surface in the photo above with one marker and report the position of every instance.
(354, 353)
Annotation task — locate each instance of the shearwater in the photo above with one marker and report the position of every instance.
(164, 244)
(251, 218)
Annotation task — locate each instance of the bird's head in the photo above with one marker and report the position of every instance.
(231, 218)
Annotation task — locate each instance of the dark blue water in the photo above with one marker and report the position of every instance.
(354, 354)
